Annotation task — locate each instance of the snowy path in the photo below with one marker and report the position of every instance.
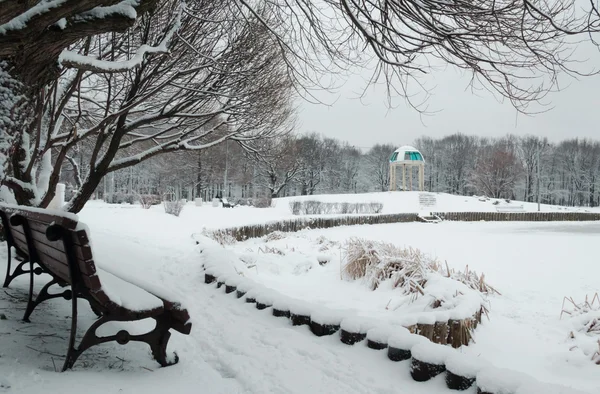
(233, 348)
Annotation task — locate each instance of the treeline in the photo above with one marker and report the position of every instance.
(507, 167)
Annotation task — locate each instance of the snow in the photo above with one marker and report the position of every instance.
(464, 365)
(356, 324)
(532, 387)
(125, 8)
(266, 296)
(127, 295)
(403, 339)
(380, 334)
(20, 22)
(282, 303)
(500, 381)
(300, 308)
(56, 212)
(326, 316)
(62, 23)
(235, 348)
(431, 353)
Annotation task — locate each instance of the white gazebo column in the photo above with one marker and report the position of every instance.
(403, 177)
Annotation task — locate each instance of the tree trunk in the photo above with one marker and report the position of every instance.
(86, 191)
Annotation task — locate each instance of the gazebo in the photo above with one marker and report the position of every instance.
(407, 157)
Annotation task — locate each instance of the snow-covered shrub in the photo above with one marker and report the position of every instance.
(376, 207)
(311, 207)
(275, 236)
(262, 202)
(314, 207)
(148, 200)
(221, 236)
(295, 207)
(119, 198)
(173, 207)
(586, 320)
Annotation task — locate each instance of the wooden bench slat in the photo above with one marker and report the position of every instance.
(55, 248)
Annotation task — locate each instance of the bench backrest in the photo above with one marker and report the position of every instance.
(51, 250)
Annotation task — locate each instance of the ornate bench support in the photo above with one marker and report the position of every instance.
(43, 296)
(157, 339)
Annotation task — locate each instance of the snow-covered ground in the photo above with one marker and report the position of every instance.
(233, 348)
(533, 265)
(195, 218)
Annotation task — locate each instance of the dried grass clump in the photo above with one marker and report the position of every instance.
(380, 261)
(148, 200)
(590, 327)
(572, 308)
(471, 279)
(407, 267)
(275, 236)
(272, 250)
(223, 237)
(174, 207)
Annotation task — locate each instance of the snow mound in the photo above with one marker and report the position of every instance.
(465, 365)
(301, 308)
(326, 316)
(380, 334)
(500, 380)
(431, 353)
(405, 340)
(357, 324)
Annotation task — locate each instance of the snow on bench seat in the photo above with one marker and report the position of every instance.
(127, 295)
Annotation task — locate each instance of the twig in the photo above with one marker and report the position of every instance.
(44, 352)
(10, 295)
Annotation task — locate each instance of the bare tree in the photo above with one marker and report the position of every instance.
(222, 80)
(497, 169)
(514, 48)
(279, 163)
(378, 166)
(312, 156)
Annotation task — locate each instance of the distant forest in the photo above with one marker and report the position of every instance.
(506, 167)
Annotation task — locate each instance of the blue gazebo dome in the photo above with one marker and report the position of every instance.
(406, 154)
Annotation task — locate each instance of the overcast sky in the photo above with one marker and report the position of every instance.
(576, 113)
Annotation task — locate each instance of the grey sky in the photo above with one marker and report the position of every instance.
(576, 113)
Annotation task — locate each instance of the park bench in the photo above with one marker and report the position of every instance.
(57, 244)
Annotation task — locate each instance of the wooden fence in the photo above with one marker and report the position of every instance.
(293, 225)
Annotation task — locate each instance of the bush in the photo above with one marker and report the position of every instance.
(119, 198)
(262, 202)
(221, 236)
(174, 207)
(148, 200)
(295, 207)
(314, 207)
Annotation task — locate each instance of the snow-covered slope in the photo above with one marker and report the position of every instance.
(234, 348)
(195, 218)
(394, 202)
